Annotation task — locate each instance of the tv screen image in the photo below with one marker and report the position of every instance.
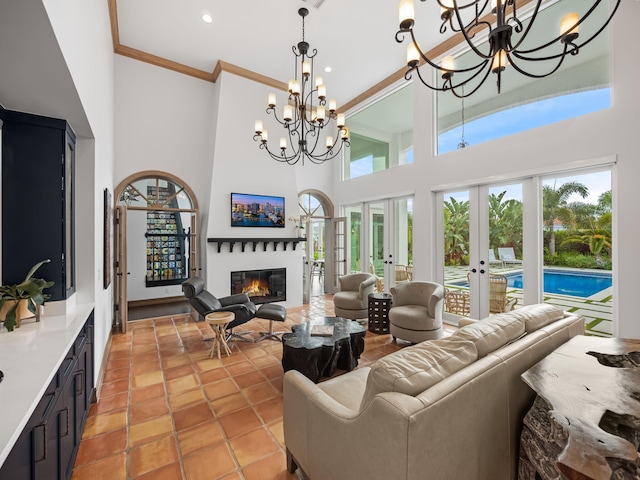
(250, 210)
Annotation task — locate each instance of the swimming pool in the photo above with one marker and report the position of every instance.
(565, 282)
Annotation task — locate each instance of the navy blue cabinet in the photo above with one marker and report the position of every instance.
(38, 155)
(48, 445)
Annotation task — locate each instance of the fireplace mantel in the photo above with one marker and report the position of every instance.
(255, 241)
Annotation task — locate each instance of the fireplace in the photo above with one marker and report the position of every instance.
(262, 286)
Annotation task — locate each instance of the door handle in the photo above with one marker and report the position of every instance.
(473, 270)
(481, 271)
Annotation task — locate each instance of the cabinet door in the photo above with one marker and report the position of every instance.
(66, 420)
(37, 200)
(31, 445)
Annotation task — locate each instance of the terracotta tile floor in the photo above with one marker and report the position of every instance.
(167, 411)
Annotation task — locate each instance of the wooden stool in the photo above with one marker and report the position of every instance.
(218, 322)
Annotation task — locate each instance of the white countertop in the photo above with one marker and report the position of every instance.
(29, 357)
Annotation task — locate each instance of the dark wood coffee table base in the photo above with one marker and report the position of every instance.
(316, 357)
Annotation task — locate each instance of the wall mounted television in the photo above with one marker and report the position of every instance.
(252, 210)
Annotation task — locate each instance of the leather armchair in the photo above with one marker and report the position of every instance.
(204, 303)
(416, 311)
(352, 299)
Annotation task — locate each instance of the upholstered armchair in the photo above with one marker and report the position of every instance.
(416, 311)
(352, 299)
(204, 303)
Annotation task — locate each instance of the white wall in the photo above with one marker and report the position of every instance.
(240, 166)
(73, 20)
(164, 122)
(607, 133)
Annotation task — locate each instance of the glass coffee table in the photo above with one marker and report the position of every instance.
(320, 356)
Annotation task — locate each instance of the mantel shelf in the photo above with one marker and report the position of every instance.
(255, 241)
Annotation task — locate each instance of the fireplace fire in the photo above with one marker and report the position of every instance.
(262, 286)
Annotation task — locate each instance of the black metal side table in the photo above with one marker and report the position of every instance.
(379, 305)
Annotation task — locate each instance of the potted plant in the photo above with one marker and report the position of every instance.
(29, 292)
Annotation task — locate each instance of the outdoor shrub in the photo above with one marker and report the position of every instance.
(576, 260)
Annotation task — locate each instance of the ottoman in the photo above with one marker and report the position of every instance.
(273, 313)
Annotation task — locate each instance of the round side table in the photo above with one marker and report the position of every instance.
(379, 305)
(218, 322)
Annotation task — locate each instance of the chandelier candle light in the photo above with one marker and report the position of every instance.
(305, 115)
(504, 48)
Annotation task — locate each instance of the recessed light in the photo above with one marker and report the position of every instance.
(206, 18)
(327, 69)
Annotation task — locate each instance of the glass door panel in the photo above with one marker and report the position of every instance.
(377, 251)
(403, 239)
(577, 246)
(455, 254)
(505, 253)
(339, 251)
(354, 248)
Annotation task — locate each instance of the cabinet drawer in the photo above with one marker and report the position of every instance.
(43, 410)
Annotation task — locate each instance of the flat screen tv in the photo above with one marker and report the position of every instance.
(250, 210)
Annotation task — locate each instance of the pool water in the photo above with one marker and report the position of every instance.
(576, 284)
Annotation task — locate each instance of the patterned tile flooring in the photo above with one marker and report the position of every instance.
(167, 411)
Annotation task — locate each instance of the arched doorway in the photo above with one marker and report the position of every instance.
(317, 216)
(156, 240)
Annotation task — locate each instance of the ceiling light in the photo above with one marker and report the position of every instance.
(206, 18)
(305, 115)
(506, 46)
(327, 69)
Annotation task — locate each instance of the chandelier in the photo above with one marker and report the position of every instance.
(506, 41)
(305, 115)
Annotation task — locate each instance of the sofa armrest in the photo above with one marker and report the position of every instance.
(298, 391)
(322, 433)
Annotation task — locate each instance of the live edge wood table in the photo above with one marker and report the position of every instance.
(585, 421)
(316, 356)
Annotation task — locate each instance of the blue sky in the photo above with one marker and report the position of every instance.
(525, 117)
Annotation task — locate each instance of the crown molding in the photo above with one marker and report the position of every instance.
(222, 66)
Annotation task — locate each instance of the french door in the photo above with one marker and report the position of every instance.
(482, 248)
(380, 240)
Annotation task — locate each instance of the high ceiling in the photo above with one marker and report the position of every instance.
(356, 38)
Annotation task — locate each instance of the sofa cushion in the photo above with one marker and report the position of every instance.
(492, 332)
(416, 368)
(538, 316)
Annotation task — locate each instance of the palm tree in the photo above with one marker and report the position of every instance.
(555, 206)
(505, 222)
(456, 231)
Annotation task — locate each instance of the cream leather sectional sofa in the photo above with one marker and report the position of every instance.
(446, 409)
